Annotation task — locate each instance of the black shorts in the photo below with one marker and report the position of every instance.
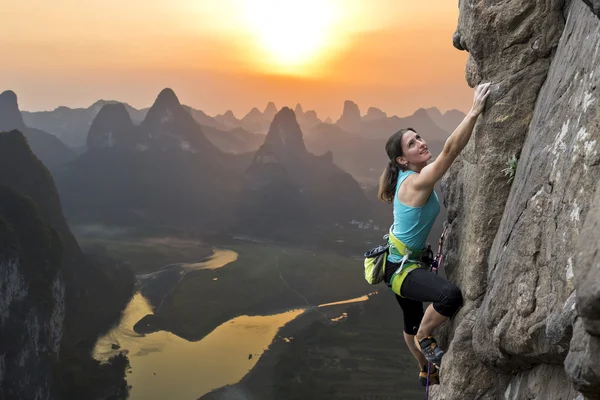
(421, 286)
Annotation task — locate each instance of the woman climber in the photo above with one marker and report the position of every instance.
(408, 182)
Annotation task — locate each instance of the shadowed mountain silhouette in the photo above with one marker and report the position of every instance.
(163, 171)
(254, 113)
(362, 152)
(448, 121)
(364, 158)
(111, 125)
(48, 148)
(350, 120)
(167, 125)
(204, 119)
(255, 121)
(375, 125)
(285, 137)
(71, 125)
(235, 141)
(10, 116)
(287, 183)
(307, 120)
(270, 111)
(420, 121)
(228, 119)
(259, 122)
(374, 113)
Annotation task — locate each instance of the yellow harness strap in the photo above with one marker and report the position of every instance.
(397, 247)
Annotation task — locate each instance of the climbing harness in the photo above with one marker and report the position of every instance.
(411, 260)
(375, 259)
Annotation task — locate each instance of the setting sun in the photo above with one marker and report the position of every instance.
(292, 35)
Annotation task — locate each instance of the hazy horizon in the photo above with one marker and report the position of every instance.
(236, 55)
(260, 107)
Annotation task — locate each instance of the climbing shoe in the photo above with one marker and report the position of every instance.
(430, 350)
(434, 375)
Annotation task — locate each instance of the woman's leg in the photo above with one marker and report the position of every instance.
(422, 285)
(417, 354)
(412, 312)
(431, 320)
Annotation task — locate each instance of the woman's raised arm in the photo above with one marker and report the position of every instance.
(433, 172)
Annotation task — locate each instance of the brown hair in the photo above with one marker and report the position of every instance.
(389, 177)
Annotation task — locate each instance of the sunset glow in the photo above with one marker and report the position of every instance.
(396, 55)
(292, 34)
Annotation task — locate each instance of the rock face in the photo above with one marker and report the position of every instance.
(32, 298)
(54, 301)
(583, 359)
(594, 5)
(519, 252)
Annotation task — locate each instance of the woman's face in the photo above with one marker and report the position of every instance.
(415, 150)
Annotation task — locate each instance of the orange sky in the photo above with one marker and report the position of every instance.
(234, 54)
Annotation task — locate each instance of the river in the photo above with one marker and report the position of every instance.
(164, 365)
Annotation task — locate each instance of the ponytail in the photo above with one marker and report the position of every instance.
(387, 182)
(389, 177)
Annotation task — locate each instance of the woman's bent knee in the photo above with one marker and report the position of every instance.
(455, 299)
(450, 302)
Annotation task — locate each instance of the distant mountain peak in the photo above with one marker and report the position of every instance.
(447, 121)
(285, 136)
(229, 114)
(270, 108)
(255, 112)
(165, 104)
(422, 113)
(168, 126)
(298, 110)
(228, 120)
(374, 113)
(311, 114)
(101, 103)
(8, 96)
(112, 108)
(167, 97)
(112, 122)
(351, 118)
(10, 115)
(270, 111)
(350, 106)
(433, 110)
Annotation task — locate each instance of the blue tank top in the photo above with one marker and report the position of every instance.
(413, 224)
